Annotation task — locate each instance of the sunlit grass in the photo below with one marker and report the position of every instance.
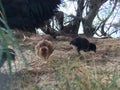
(76, 75)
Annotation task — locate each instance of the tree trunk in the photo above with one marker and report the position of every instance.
(93, 6)
(73, 27)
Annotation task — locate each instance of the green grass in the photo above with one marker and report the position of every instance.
(7, 38)
(76, 75)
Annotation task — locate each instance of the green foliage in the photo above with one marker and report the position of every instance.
(7, 38)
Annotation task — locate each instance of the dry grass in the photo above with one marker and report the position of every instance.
(68, 71)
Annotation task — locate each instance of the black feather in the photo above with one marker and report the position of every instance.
(83, 44)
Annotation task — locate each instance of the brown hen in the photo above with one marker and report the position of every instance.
(44, 49)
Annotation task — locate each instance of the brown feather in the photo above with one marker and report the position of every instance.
(44, 49)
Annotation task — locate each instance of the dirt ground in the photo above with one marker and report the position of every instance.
(36, 74)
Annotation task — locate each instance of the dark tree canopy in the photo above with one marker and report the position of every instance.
(29, 14)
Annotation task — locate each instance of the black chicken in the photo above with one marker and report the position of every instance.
(83, 44)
